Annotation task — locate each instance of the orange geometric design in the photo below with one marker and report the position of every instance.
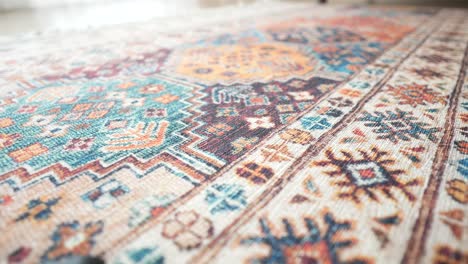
(224, 118)
(350, 92)
(415, 94)
(462, 146)
(152, 88)
(8, 139)
(141, 136)
(373, 28)
(28, 152)
(277, 153)
(126, 85)
(458, 189)
(297, 136)
(6, 122)
(454, 220)
(309, 251)
(167, 98)
(227, 64)
(97, 114)
(82, 107)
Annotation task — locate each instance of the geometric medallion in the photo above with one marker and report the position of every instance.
(367, 173)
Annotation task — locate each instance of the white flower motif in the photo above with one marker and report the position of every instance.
(260, 122)
(40, 120)
(133, 102)
(54, 131)
(301, 96)
(116, 95)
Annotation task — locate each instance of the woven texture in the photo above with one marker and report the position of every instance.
(291, 134)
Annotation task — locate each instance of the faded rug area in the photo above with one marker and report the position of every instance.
(283, 134)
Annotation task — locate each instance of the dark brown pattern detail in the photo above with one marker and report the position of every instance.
(368, 175)
(423, 224)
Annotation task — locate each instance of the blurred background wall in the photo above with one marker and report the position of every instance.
(23, 4)
(408, 2)
(24, 16)
(19, 4)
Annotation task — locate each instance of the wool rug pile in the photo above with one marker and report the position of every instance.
(286, 134)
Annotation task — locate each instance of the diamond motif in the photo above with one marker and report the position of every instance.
(367, 173)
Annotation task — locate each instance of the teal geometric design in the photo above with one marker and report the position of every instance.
(144, 255)
(315, 123)
(344, 55)
(463, 167)
(225, 197)
(119, 108)
(398, 125)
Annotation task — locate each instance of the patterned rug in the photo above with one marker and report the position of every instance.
(281, 134)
